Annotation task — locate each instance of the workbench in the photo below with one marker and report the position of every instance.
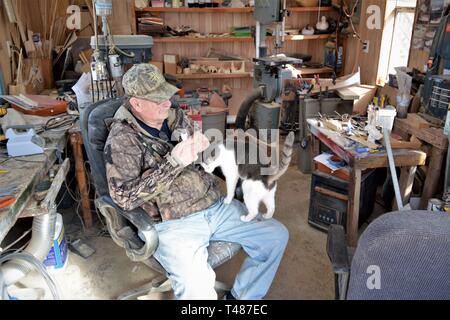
(407, 159)
(438, 141)
(25, 172)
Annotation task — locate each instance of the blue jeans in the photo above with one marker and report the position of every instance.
(183, 244)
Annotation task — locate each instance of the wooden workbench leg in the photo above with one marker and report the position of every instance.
(353, 208)
(406, 183)
(433, 176)
(76, 142)
(315, 150)
(315, 146)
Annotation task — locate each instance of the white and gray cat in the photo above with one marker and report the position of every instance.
(256, 187)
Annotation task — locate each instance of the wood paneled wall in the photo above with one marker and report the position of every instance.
(4, 36)
(418, 59)
(33, 13)
(355, 57)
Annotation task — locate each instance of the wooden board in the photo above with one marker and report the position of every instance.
(416, 121)
(206, 39)
(231, 10)
(121, 20)
(311, 71)
(364, 142)
(197, 10)
(418, 59)
(214, 76)
(360, 105)
(414, 144)
(403, 158)
(4, 36)
(433, 136)
(355, 92)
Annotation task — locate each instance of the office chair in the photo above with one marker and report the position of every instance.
(128, 228)
(402, 255)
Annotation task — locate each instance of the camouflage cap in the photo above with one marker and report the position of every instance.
(147, 82)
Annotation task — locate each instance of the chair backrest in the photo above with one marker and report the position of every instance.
(95, 133)
(403, 255)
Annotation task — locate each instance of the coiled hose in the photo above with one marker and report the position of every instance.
(36, 264)
(40, 244)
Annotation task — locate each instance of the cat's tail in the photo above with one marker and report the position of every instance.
(286, 157)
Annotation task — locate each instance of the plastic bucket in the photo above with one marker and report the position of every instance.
(57, 257)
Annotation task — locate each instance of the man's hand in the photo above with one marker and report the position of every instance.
(186, 152)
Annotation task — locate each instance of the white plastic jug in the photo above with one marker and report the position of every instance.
(386, 117)
(58, 255)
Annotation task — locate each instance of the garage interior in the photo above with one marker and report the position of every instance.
(362, 86)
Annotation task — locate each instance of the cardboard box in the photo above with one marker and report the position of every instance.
(170, 63)
(343, 173)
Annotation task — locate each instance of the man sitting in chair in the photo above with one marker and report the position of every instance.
(146, 169)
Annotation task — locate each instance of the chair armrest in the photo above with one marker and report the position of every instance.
(337, 249)
(124, 235)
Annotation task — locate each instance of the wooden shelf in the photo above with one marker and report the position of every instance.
(192, 39)
(237, 39)
(229, 10)
(310, 9)
(200, 76)
(301, 37)
(311, 71)
(197, 10)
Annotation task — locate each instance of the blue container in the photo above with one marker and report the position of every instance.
(57, 257)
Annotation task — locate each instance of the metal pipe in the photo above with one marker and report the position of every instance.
(257, 38)
(39, 246)
(398, 196)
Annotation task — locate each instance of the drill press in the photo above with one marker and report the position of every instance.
(261, 109)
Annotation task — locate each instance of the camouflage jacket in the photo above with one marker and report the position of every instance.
(140, 177)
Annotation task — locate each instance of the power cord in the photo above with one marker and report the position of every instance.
(350, 16)
(59, 123)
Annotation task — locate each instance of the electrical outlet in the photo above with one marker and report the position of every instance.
(366, 45)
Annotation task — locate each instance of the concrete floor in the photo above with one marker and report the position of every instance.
(304, 272)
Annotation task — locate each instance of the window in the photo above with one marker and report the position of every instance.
(396, 37)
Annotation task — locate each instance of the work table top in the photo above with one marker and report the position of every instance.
(24, 173)
(345, 149)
